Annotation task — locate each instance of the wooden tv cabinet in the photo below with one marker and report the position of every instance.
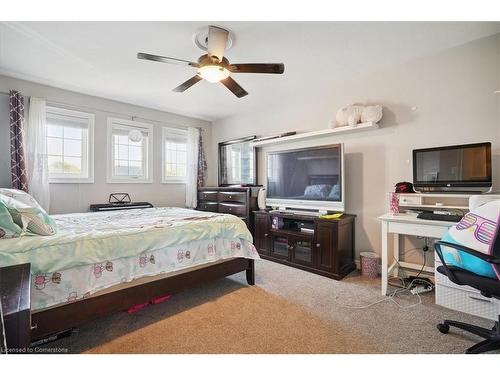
(328, 251)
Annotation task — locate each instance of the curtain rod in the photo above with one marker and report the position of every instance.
(50, 102)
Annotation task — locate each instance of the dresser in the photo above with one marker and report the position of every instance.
(238, 201)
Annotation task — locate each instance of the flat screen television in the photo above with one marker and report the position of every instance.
(308, 178)
(460, 168)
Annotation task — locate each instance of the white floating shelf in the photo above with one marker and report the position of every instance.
(320, 133)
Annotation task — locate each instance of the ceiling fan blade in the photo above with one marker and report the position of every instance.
(257, 68)
(164, 59)
(232, 85)
(190, 82)
(217, 39)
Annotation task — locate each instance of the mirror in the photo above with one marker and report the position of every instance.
(237, 162)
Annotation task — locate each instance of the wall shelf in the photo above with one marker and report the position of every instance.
(320, 133)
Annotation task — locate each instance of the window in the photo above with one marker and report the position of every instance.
(174, 142)
(70, 136)
(236, 164)
(130, 151)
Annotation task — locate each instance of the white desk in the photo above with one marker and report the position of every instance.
(406, 224)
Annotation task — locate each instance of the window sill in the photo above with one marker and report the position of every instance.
(71, 181)
(183, 182)
(128, 181)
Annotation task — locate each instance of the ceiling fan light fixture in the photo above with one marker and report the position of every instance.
(135, 135)
(213, 73)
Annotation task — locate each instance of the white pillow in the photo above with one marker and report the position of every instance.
(21, 196)
(32, 218)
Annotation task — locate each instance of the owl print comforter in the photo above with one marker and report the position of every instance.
(94, 251)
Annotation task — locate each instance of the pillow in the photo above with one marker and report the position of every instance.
(335, 192)
(477, 231)
(34, 219)
(8, 229)
(317, 191)
(21, 196)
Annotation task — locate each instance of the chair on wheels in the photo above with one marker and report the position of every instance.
(487, 286)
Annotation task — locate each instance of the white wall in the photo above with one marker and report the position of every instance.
(77, 197)
(453, 95)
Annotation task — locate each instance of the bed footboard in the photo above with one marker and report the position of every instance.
(71, 315)
(15, 299)
(251, 272)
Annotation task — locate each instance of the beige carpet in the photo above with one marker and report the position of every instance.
(287, 311)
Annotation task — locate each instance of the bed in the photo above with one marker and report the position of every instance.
(103, 262)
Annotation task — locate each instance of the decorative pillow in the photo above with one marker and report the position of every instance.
(317, 191)
(34, 219)
(477, 231)
(8, 229)
(335, 192)
(21, 196)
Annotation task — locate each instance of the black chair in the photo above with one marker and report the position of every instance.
(488, 287)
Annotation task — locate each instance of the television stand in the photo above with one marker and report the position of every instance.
(322, 246)
(298, 212)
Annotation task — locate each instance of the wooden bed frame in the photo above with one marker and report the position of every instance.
(64, 317)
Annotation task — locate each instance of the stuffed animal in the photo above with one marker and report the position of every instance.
(353, 114)
(372, 113)
(350, 115)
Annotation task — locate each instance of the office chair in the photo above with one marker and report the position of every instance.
(487, 286)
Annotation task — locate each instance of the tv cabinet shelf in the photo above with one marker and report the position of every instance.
(319, 133)
(328, 251)
(292, 232)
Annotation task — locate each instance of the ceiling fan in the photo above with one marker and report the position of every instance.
(213, 66)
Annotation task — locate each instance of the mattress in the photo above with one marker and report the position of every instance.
(73, 284)
(92, 237)
(94, 251)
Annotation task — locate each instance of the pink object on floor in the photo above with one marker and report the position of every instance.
(161, 299)
(137, 307)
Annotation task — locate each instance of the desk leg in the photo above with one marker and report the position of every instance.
(385, 265)
(396, 254)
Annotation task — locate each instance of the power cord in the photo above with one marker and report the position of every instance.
(392, 298)
(425, 249)
(403, 280)
(402, 287)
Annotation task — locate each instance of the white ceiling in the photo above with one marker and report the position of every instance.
(99, 58)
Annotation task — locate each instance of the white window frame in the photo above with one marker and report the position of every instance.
(88, 139)
(165, 132)
(114, 122)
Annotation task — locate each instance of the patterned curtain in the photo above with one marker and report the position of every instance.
(17, 159)
(202, 163)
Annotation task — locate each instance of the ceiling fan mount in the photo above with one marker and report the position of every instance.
(200, 39)
(213, 66)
